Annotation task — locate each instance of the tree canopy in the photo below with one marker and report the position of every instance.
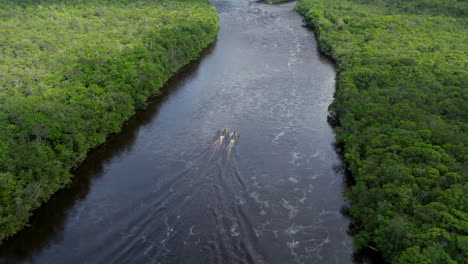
(401, 107)
(71, 73)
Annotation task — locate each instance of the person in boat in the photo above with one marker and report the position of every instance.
(233, 136)
(224, 132)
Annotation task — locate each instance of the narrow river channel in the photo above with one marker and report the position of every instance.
(159, 193)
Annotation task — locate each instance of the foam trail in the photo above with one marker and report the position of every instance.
(229, 148)
(218, 143)
(231, 143)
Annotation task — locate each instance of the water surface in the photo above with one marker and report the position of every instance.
(156, 193)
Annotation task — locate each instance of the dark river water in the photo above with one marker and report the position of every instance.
(158, 192)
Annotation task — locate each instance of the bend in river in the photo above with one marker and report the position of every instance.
(159, 192)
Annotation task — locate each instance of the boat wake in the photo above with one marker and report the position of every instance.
(219, 143)
(234, 136)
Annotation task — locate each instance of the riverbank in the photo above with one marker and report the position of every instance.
(72, 73)
(276, 1)
(402, 121)
(153, 194)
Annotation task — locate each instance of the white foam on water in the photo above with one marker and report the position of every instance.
(314, 177)
(293, 229)
(303, 198)
(277, 137)
(292, 244)
(239, 200)
(191, 233)
(295, 157)
(293, 210)
(234, 231)
(293, 180)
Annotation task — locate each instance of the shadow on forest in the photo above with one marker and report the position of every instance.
(48, 220)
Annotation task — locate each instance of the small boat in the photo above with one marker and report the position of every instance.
(224, 132)
(234, 136)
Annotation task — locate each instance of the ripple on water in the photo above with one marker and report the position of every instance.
(277, 200)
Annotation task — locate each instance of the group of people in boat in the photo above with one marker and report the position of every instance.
(233, 137)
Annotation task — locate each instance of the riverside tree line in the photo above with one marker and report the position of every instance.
(401, 108)
(71, 72)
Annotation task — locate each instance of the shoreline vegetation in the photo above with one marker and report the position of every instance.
(72, 72)
(401, 108)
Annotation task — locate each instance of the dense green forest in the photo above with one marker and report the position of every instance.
(72, 71)
(401, 109)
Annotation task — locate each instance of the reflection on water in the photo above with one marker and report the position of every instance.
(162, 192)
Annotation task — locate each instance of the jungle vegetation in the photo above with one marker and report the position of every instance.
(401, 109)
(71, 72)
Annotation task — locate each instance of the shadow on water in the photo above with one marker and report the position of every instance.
(49, 219)
(368, 256)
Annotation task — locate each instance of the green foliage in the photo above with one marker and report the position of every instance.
(413, 255)
(402, 110)
(71, 73)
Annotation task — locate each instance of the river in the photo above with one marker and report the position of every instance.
(158, 192)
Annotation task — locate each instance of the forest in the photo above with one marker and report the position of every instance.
(71, 73)
(401, 114)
